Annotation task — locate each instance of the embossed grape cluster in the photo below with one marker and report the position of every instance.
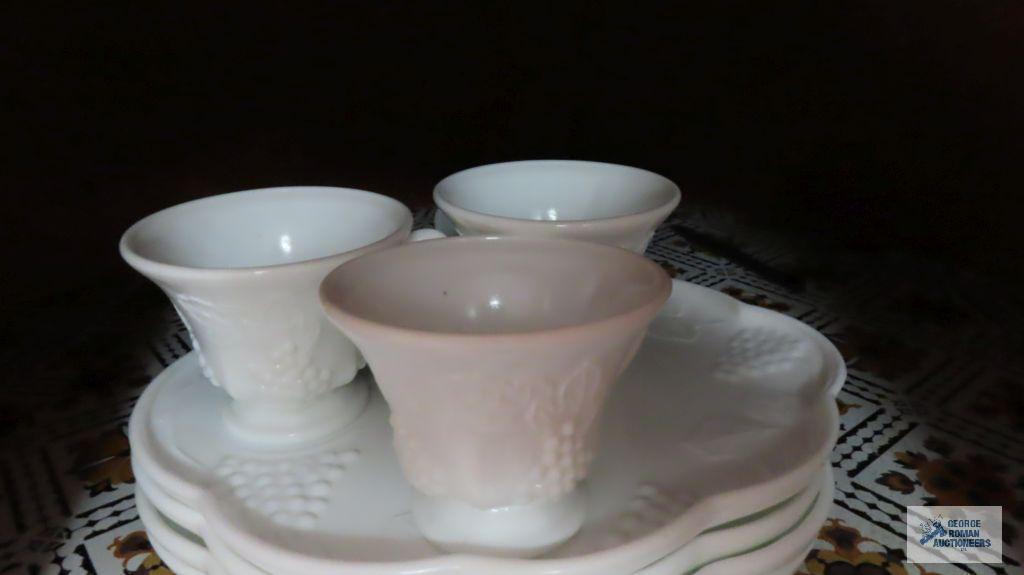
(291, 492)
(291, 368)
(564, 461)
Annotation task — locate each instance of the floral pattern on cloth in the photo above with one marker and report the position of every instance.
(851, 553)
(137, 555)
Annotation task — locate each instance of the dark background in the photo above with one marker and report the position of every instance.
(889, 134)
(872, 126)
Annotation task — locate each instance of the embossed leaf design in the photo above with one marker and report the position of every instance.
(756, 351)
(181, 301)
(197, 308)
(558, 414)
(566, 399)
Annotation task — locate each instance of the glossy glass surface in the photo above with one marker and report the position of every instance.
(557, 190)
(494, 285)
(265, 227)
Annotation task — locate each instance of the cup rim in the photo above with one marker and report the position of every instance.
(660, 210)
(649, 308)
(155, 267)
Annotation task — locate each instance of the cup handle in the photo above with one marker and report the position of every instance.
(425, 234)
(444, 224)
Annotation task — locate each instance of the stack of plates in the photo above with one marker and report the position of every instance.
(712, 459)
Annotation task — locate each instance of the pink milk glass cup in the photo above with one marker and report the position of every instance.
(495, 356)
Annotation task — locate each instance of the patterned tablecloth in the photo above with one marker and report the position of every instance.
(932, 412)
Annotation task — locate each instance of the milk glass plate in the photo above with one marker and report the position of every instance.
(784, 550)
(727, 410)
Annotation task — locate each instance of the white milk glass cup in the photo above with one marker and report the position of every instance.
(242, 270)
(592, 201)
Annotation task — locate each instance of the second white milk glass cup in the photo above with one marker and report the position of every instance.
(242, 270)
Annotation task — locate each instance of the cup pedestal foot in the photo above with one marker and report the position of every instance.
(516, 531)
(287, 424)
